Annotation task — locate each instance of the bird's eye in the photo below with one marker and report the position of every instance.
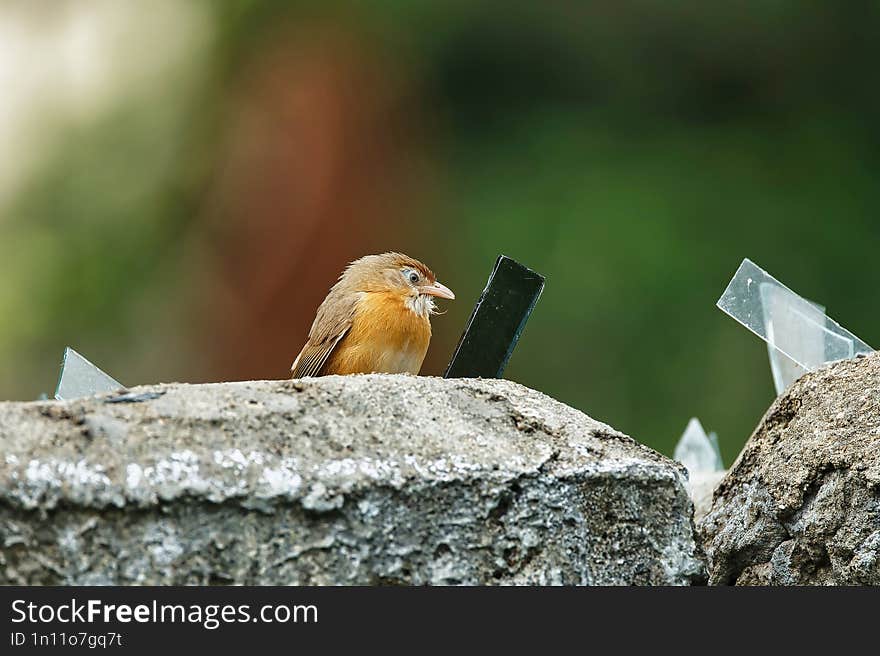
(412, 276)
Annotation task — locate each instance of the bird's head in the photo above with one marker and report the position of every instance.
(397, 274)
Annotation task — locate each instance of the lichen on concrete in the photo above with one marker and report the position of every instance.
(337, 480)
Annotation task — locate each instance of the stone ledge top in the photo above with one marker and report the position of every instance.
(311, 441)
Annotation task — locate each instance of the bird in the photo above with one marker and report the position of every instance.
(375, 319)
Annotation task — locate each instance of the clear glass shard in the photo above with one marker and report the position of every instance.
(802, 333)
(785, 370)
(799, 335)
(79, 378)
(697, 451)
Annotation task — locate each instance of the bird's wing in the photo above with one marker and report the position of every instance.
(332, 322)
(313, 356)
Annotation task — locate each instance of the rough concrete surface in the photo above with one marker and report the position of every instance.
(801, 505)
(337, 480)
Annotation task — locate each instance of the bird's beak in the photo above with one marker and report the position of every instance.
(441, 291)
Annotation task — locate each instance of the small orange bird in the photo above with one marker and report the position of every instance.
(376, 319)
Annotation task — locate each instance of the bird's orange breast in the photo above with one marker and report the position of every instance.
(385, 337)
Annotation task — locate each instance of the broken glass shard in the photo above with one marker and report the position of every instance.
(806, 337)
(697, 451)
(79, 377)
(799, 336)
(497, 321)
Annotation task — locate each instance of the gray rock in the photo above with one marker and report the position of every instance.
(337, 480)
(801, 505)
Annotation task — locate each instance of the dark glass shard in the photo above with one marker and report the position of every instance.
(497, 321)
(131, 397)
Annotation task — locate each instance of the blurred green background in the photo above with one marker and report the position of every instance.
(180, 183)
